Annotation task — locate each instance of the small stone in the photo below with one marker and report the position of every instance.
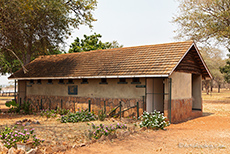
(20, 151)
(3, 148)
(49, 150)
(112, 136)
(59, 149)
(102, 138)
(126, 133)
(83, 144)
(27, 123)
(24, 120)
(143, 129)
(12, 150)
(113, 120)
(18, 122)
(39, 151)
(32, 151)
(64, 143)
(37, 122)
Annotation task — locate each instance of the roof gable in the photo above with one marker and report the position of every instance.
(141, 61)
(193, 63)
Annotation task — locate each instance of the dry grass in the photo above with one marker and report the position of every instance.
(211, 129)
(3, 100)
(224, 95)
(53, 131)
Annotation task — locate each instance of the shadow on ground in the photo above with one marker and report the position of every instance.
(205, 114)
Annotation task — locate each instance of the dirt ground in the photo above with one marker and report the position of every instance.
(207, 134)
(3, 100)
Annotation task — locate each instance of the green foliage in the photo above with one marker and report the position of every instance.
(53, 113)
(37, 27)
(153, 120)
(99, 130)
(62, 111)
(49, 114)
(14, 107)
(10, 136)
(92, 42)
(101, 115)
(204, 20)
(79, 116)
(225, 70)
(25, 108)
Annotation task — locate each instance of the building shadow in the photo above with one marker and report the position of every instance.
(205, 114)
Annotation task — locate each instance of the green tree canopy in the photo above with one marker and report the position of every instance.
(30, 28)
(92, 42)
(226, 69)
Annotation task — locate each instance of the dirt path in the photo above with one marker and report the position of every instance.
(207, 134)
(3, 101)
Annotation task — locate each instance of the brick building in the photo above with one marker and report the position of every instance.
(165, 77)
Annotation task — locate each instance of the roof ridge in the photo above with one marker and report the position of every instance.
(102, 50)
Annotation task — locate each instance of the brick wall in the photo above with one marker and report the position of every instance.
(78, 103)
(181, 110)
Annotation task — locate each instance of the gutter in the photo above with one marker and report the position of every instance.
(90, 77)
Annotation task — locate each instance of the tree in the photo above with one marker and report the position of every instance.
(92, 42)
(204, 20)
(226, 69)
(213, 59)
(37, 27)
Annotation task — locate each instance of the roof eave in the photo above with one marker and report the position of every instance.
(92, 77)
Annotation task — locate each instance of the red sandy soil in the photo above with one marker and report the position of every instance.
(207, 134)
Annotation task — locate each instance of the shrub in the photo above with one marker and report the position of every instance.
(26, 107)
(10, 136)
(99, 130)
(49, 114)
(14, 107)
(101, 115)
(79, 116)
(62, 111)
(154, 120)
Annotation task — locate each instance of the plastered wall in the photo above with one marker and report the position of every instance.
(92, 89)
(21, 89)
(181, 85)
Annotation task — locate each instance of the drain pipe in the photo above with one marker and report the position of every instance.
(170, 98)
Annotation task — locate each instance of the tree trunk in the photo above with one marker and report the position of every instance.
(211, 84)
(218, 88)
(207, 86)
